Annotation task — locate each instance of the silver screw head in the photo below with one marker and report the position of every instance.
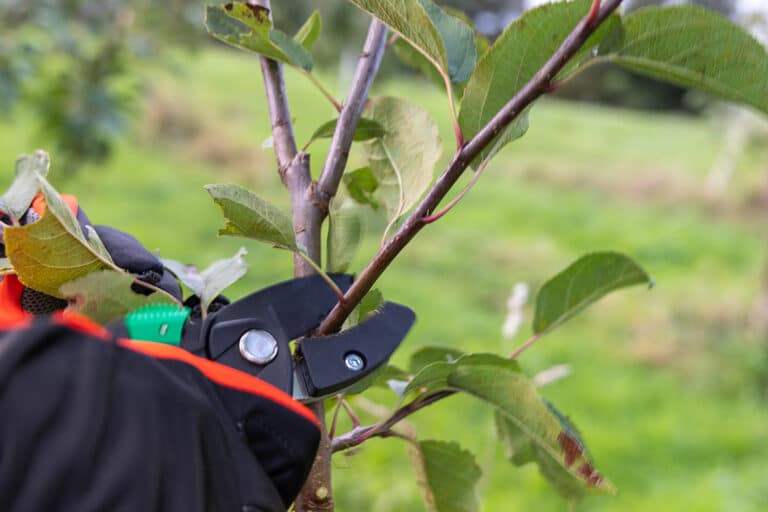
(354, 361)
(257, 346)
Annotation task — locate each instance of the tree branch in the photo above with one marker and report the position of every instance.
(370, 59)
(536, 87)
(293, 165)
(359, 435)
(312, 210)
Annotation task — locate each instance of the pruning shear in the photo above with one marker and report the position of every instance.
(253, 335)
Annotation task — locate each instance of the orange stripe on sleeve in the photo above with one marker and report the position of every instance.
(221, 374)
(12, 316)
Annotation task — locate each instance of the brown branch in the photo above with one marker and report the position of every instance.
(335, 163)
(359, 435)
(294, 171)
(293, 165)
(312, 210)
(535, 88)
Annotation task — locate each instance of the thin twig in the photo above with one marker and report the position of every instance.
(322, 89)
(536, 87)
(522, 348)
(359, 435)
(594, 12)
(335, 418)
(351, 413)
(326, 277)
(475, 178)
(448, 91)
(368, 65)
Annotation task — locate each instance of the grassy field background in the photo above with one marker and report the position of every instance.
(666, 385)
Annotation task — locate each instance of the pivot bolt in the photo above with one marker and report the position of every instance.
(258, 347)
(354, 361)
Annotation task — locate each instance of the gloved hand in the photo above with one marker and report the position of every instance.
(126, 252)
(90, 422)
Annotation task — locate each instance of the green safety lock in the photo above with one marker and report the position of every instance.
(162, 323)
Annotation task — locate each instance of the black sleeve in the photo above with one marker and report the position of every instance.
(88, 424)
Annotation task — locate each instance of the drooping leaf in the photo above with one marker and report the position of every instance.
(447, 475)
(249, 27)
(366, 129)
(403, 160)
(344, 232)
(221, 274)
(428, 380)
(53, 250)
(309, 32)
(447, 41)
(520, 450)
(105, 295)
(586, 280)
(17, 199)
(432, 354)
(694, 47)
(501, 384)
(250, 216)
(189, 275)
(512, 61)
(433, 377)
(361, 184)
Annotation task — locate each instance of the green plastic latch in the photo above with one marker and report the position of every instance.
(157, 322)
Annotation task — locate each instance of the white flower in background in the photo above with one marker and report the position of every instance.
(515, 305)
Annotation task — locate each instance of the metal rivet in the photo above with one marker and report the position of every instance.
(258, 347)
(354, 361)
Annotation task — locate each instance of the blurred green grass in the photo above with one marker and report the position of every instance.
(665, 384)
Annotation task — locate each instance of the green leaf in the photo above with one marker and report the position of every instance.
(430, 379)
(366, 129)
(106, 295)
(53, 250)
(15, 202)
(189, 275)
(433, 377)
(432, 354)
(370, 303)
(250, 216)
(586, 280)
(309, 32)
(344, 232)
(447, 41)
(695, 47)
(403, 160)
(249, 27)
(512, 61)
(414, 59)
(220, 275)
(361, 184)
(501, 384)
(447, 475)
(458, 39)
(520, 450)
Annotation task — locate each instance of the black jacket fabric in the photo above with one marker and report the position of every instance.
(89, 423)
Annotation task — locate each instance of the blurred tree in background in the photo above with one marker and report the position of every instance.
(71, 61)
